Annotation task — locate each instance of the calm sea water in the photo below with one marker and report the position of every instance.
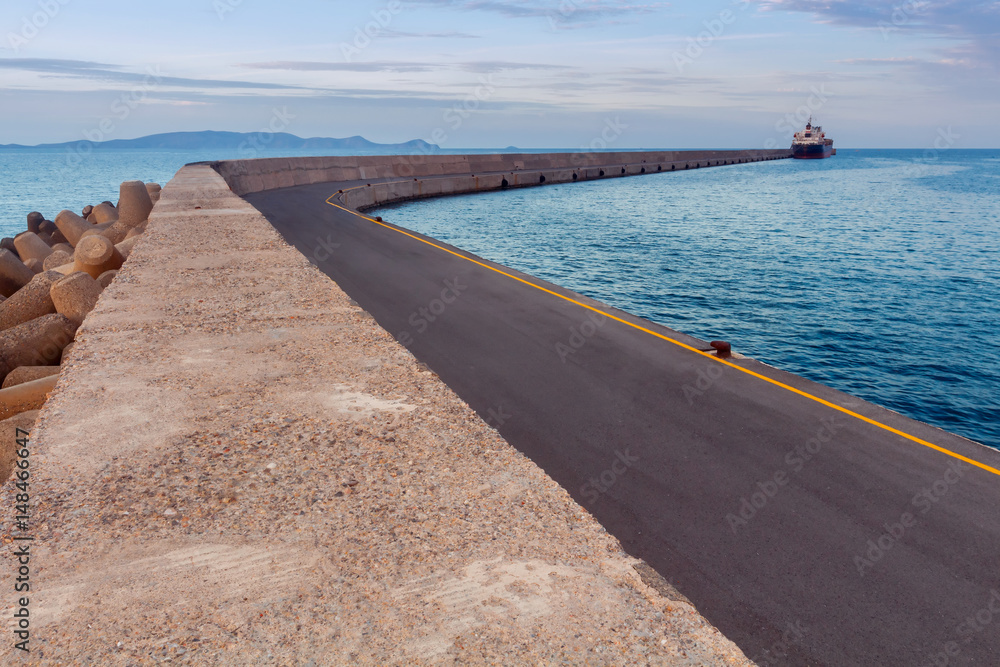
(50, 180)
(875, 272)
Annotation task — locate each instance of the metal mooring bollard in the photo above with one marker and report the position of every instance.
(723, 350)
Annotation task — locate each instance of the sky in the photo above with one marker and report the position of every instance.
(577, 74)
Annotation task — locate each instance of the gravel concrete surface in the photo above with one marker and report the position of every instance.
(238, 466)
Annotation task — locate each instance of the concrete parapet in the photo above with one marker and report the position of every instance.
(29, 302)
(246, 176)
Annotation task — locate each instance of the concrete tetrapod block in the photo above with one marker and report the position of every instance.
(58, 258)
(8, 244)
(30, 302)
(26, 396)
(154, 191)
(116, 231)
(95, 255)
(65, 247)
(35, 220)
(30, 246)
(13, 273)
(72, 226)
(39, 342)
(10, 430)
(67, 351)
(104, 213)
(134, 204)
(29, 373)
(35, 266)
(75, 295)
(125, 247)
(106, 278)
(46, 227)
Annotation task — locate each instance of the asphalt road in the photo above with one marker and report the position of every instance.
(806, 535)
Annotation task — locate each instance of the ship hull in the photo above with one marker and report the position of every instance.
(812, 152)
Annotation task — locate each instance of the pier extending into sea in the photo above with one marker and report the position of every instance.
(245, 458)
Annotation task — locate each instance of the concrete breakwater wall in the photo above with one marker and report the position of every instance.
(238, 465)
(394, 178)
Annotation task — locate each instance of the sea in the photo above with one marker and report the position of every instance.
(876, 272)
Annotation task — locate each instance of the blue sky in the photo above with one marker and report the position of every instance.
(481, 73)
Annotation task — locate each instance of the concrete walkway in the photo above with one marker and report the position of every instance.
(240, 467)
(810, 526)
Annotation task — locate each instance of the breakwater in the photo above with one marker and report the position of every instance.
(245, 436)
(394, 178)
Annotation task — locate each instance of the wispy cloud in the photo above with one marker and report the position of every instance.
(399, 34)
(561, 11)
(478, 67)
(83, 69)
(974, 24)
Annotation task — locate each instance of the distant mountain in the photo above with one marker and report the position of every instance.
(236, 140)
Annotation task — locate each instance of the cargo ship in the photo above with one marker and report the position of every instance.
(811, 143)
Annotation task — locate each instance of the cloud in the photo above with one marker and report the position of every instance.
(973, 24)
(319, 66)
(559, 13)
(83, 69)
(478, 67)
(399, 34)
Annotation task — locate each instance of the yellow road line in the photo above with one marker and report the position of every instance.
(707, 355)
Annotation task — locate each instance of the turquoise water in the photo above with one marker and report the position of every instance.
(50, 180)
(875, 272)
